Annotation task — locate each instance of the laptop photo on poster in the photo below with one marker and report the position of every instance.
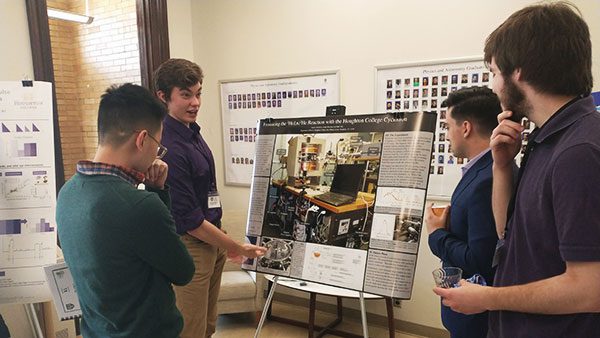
(347, 181)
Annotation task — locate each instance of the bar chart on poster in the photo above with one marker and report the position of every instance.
(27, 191)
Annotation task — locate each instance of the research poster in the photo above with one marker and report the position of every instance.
(245, 102)
(339, 200)
(27, 191)
(424, 87)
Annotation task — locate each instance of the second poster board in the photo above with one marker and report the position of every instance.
(244, 102)
(423, 86)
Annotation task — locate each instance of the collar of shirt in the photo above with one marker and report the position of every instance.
(472, 161)
(564, 117)
(97, 168)
(182, 129)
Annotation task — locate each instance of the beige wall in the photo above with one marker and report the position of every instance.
(15, 63)
(240, 39)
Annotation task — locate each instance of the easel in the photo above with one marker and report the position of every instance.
(363, 311)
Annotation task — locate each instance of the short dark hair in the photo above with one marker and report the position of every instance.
(179, 73)
(551, 45)
(478, 105)
(126, 108)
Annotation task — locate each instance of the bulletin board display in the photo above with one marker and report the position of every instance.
(423, 86)
(245, 102)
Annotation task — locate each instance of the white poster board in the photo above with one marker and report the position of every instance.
(370, 243)
(27, 191)
(244, 102)
(424, 86)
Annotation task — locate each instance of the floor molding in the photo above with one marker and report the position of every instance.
(372, 319)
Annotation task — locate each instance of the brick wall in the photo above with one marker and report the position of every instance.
(87, 59)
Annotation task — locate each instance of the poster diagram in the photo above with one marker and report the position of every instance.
(327, 191)
(27, 191)
(424, 87)
(245, 102)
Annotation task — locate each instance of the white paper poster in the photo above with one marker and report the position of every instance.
(27, 191)
(244, 102)
(330, 192)
(423, 87)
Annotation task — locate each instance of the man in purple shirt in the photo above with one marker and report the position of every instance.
(549, 265)
(196, 205)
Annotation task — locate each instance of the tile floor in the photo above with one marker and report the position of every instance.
(243, 325)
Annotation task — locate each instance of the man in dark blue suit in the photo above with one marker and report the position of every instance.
(465, 235)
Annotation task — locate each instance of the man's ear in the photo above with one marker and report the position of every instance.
(161, 96)
(467, 128)
(517, 75)
(140, 139)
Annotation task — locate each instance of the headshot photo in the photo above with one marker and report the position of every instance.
(434, 81)
(389, 84)
(464, 78)
(455, 79)
(445, 79)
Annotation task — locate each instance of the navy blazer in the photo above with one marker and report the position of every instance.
(470, 241)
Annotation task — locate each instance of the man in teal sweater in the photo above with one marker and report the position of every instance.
(120, 242)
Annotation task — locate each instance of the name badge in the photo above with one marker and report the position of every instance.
(214, 201)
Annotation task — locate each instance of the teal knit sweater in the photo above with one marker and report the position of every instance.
(123, 252)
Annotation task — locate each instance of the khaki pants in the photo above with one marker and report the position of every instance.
(197, 300)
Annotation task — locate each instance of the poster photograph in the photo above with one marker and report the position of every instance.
(329, 193)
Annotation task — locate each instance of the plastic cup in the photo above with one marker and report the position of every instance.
(447, 277)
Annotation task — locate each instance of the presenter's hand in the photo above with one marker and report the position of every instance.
(247, 250)
(468, 298)
(157, 174)
(505, 140)
(434, 221)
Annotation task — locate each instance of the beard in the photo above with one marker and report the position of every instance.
(513, 99)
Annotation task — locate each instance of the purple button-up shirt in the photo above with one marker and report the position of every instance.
(556, 220)
(191, 175)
